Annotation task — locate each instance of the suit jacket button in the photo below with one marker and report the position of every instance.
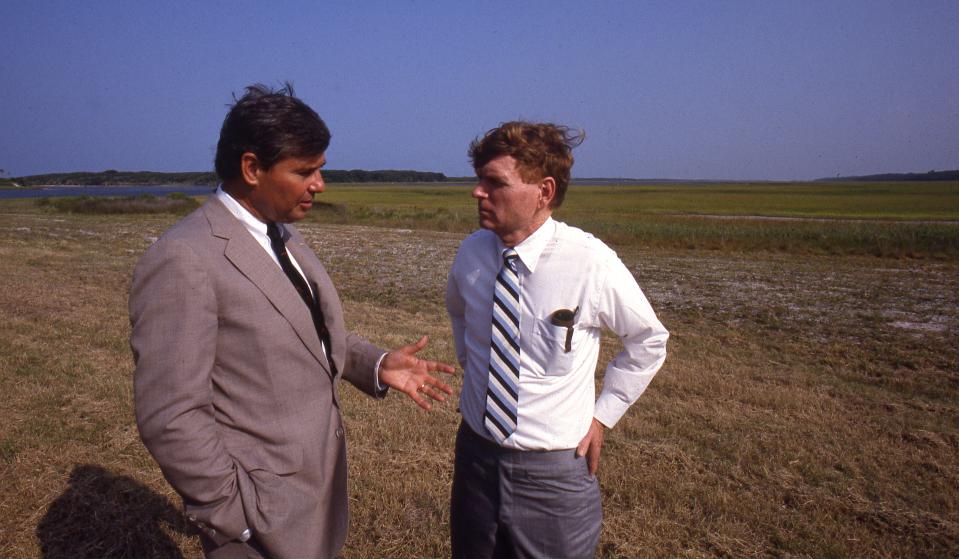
(339, 432)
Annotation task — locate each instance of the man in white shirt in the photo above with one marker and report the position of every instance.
(528, 297)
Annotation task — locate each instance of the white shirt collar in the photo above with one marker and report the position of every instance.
(532, 247)
(256, 227)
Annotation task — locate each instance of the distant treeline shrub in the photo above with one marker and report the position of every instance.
(112, 177)
(895, 177)
(358, 175)
(176, 203)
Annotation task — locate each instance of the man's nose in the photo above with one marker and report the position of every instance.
(317, 184)
(479, 192)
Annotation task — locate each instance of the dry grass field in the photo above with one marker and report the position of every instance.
(809, 406)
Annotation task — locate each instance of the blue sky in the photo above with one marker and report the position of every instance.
(712, 90)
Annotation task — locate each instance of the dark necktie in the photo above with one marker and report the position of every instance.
(299, 282)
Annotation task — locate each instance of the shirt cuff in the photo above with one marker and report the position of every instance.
(380, 389)
(609, 410)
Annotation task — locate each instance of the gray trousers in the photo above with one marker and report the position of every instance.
(521, 504)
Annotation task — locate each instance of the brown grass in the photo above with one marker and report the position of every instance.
(808, 407)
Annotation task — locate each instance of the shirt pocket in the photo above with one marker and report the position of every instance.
(550, 344)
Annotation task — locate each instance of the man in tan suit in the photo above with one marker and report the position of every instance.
(239, 341)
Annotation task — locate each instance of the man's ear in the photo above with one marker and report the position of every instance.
(250, 168)
(547, 191)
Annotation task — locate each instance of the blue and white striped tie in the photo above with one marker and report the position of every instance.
(502, 394)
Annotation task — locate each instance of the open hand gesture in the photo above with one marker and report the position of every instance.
(403, 371)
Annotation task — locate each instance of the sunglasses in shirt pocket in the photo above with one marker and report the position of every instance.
(560, 336)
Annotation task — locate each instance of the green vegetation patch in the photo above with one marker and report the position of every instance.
(895, 220)
(176, 203)
(842, 200)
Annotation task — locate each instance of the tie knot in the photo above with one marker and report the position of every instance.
(509, 258)
(273, 232)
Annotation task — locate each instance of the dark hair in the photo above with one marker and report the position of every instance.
(271, 124)
(540, 149)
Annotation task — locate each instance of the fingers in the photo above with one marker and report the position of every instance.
(431, 390)
(415, 346)
(441, 367)
(592, 456)
(591, 449)
(437, 383)
(438, 367)
(420, 401)
(410, 374)
(434, 388)
(583, 447)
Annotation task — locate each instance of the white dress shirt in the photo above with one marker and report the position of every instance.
(562, 267)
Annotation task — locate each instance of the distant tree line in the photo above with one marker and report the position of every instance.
(930, 176)
(112, 177)
(359, 175)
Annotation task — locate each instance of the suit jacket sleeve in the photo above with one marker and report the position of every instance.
(173, 314)
(360, 368)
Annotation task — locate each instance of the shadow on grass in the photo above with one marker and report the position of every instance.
(105, 515)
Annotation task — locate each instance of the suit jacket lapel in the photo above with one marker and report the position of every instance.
(326, 295)
(252, 261)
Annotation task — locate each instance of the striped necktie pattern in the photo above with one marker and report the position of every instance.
(502, 395)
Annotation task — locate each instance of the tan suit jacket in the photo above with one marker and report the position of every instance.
(234, 395)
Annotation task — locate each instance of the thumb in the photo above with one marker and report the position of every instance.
(416, 346)
(581, 448)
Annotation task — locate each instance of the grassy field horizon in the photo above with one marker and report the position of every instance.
(893, 200)
(808, 406)
(907, 200)
(878, 219)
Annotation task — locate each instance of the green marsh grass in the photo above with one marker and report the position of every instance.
(883, 219)
(175, 203)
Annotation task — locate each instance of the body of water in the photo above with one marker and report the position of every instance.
(54, 191)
